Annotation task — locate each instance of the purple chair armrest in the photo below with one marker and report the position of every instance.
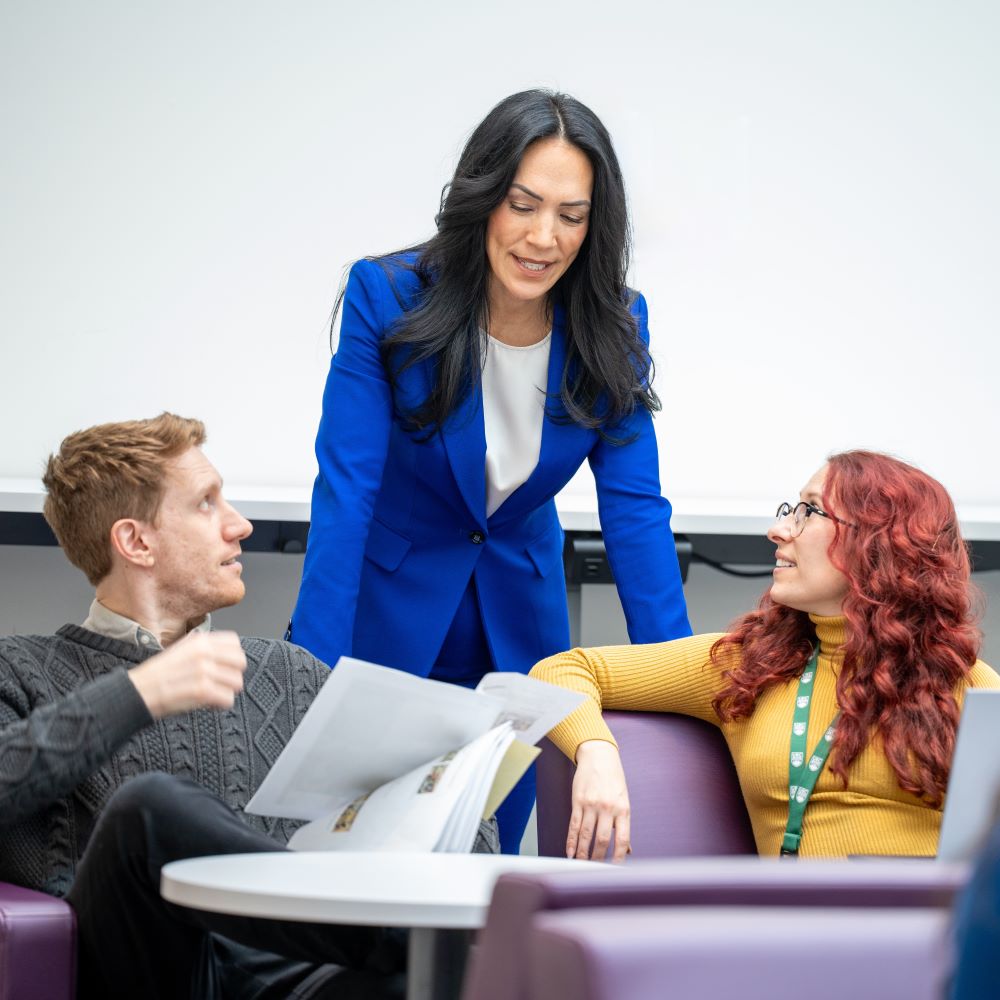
(685, 796)
(716, 953)
(37, 946)
(494, 973)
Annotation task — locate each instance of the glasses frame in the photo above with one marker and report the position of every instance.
(785, 509)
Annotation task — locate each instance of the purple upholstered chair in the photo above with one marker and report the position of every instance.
(716, 953)
(499, 968)
(685, 796)
(37, 946)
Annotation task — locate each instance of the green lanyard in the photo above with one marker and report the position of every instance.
(802, 773)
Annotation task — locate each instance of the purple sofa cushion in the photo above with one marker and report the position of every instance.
(520, 900)
(684, 793)
(717, 953)
(37, 946)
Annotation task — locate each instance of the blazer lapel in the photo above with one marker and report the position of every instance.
(464, 435)
(553, 402)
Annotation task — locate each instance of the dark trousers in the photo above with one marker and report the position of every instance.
(132, 943)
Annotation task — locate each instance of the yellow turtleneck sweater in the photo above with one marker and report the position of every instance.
(872, 816)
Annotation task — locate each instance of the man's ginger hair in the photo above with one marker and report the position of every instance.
(106, 473)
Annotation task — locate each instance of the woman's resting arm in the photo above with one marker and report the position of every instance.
(663, 677)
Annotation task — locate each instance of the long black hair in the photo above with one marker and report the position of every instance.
(608, 370)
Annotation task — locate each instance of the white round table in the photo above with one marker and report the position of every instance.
(433, 894)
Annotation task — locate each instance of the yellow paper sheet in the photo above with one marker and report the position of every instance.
(516, 761)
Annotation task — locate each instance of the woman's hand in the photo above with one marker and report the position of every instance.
(600, 803)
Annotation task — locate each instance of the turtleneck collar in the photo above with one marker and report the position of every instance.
(831, 632)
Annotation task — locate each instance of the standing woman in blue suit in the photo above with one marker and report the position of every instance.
(474, 375)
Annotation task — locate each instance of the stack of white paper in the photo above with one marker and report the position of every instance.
(384, 760)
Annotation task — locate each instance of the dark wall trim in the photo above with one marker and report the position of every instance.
(585, 558)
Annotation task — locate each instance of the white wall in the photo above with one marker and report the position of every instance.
(814, 191)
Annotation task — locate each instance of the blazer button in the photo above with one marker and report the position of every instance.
(477, 537)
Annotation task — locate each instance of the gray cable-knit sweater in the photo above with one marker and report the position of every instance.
(73, 729)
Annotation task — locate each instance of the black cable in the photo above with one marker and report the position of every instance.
(729, 571)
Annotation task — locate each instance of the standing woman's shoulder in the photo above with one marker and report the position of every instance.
(373, 295)
(638, 308)
(395, 281)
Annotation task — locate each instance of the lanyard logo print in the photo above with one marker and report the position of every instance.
(802, 775)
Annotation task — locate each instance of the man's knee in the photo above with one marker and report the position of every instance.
(155, 818)
(153, 794)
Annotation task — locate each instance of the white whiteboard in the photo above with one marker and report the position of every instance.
(814, 190)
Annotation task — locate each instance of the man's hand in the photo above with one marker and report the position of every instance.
(600, 803)
(202, 670)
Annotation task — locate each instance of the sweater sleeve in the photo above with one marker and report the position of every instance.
(675, 676)
(46, 752)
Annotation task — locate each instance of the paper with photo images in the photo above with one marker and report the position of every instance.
(417, 760)
(435, 807)
(367, 726)
(532, 707)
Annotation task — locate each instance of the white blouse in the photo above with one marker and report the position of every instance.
(514, 384)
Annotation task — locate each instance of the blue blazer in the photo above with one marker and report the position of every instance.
(399, 526)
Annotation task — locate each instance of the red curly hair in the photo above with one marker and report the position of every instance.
(911, 635)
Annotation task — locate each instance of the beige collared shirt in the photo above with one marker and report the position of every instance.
(111, 625)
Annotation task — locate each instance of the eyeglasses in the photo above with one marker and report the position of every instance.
(800, 514)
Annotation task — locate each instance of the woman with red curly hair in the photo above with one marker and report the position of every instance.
(839, 696)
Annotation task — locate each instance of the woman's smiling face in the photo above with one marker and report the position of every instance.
(804, 577)
(535, 233)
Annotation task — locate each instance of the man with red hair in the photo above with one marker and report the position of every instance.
(138, 737)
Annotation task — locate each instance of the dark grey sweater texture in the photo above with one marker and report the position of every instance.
(73, 729)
